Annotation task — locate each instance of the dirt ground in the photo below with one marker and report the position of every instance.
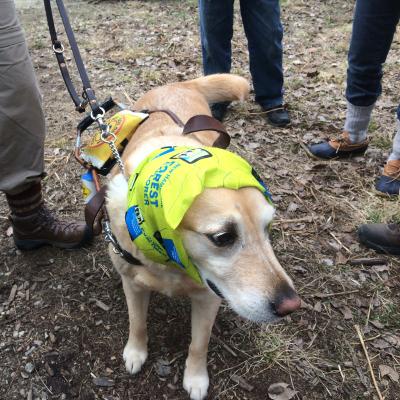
(63, 318)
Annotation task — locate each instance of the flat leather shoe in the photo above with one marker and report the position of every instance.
(389, 182)
(384, 238)
(341, 147)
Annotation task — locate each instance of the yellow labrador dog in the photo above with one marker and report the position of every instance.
(225, 234)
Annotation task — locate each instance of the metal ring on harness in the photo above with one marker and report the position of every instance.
(59, 49)
(97, 116)
(106, 134)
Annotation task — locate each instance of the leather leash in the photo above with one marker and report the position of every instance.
(88, 95)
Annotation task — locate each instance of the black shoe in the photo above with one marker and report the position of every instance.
(218, 110)
(384, 238)
(277, 116)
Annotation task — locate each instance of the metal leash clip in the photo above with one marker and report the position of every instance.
(110, 138)
(109, 237)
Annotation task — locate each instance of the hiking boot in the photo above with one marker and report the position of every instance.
(389, 182)
(35, 226)
(277, 116)
(384, 238)
(338, 148)
(219, 110)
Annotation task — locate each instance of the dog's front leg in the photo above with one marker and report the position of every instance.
(135, 351)
(204, 310)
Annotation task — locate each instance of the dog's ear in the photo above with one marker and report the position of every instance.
(177, 202)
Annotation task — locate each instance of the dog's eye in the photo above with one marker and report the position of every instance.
(223, 239)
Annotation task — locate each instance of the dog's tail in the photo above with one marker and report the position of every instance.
(220, 87)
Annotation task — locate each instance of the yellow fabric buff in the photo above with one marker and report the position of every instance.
(163, 187)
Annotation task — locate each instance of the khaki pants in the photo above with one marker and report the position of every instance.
(22, 126)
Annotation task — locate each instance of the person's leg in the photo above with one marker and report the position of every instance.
(389, 181)
(264, 32)
(395, 154)
(22, 130)
(22, 125)
(374, 25)
(216, 30)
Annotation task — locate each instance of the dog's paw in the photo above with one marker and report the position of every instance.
(196, 385)
(134, 358)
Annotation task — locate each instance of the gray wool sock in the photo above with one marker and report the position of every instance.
(395, 154)
(357, 120)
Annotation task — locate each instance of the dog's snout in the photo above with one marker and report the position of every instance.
(286, 301)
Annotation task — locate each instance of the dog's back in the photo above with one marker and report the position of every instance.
(193, 97)
(185, 99)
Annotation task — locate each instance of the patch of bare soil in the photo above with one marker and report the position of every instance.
(63, 318)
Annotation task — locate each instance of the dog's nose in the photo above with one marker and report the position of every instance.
(286, 301)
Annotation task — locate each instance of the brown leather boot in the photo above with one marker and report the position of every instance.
(34, 225)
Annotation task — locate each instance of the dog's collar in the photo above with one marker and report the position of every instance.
(163, 187)
(110, 238)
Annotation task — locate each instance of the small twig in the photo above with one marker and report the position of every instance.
(47, 388)
(341, 372)
(369, 310)
(313, 194)
(283, 238)
(224, 345)
(372, 338)
(305, 148)
(242, 383)
(368, 261)
(357, 328)
(263, 112)
(324, 295)
(331, 233)
(291, 221)
(128, 98)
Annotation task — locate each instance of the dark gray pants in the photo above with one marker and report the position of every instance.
(22, 126)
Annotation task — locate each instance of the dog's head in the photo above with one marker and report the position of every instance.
(207, 212)
(226, 234)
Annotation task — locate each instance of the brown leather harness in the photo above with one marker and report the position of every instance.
(199, 123)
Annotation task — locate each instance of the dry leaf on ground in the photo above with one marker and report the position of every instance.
(281, 391)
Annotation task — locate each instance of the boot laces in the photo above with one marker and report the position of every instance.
(47, 219)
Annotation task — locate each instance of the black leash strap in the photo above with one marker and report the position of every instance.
(88, 93)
